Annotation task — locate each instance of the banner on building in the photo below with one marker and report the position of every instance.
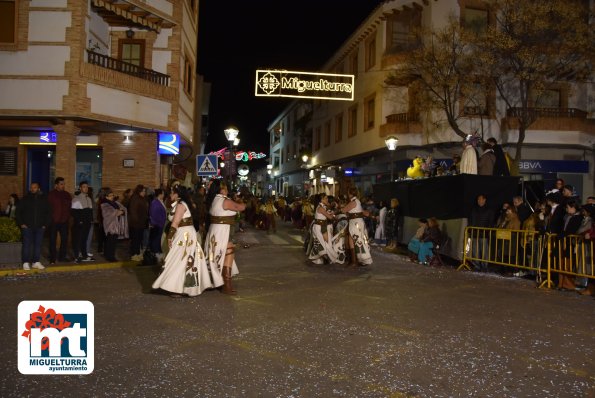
(284, 83)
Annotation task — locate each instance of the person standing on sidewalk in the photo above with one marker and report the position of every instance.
(82, 213)
(482, 217)
(138, 220)
(157, 217)
(11, 208)
(33, 216)
(60, 202)
(112, 213)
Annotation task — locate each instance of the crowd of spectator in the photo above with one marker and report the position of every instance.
(560, 215)
(139, 216)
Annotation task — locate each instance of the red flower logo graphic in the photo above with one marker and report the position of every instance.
(43, 319)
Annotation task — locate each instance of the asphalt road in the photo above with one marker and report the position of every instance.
(396, 329)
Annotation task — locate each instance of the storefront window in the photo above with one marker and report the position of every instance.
(88, 168)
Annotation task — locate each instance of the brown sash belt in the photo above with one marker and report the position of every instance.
(229, 220)
(352, 216)
(323, 225)
(186, 222)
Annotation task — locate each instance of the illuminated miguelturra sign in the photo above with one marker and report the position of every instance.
(284, 83)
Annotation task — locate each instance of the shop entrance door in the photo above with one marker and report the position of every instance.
(41, 166)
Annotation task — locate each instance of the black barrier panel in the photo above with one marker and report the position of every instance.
(447, 197)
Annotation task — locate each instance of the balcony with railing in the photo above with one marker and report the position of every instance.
(535, 113)
(403, 117)
(401, 123)
(563, 119)
(125, 67)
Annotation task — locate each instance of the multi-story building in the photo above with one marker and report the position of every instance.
(88, 86)
(345, 140)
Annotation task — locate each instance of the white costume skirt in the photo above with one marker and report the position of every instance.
(319, 248)
(357, 230)
(215, 248)
(185, 270)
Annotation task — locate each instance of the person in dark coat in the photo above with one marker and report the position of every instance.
(485, 166)
(568, 259)
(157, 217)
(391, 224)
(481, 216)
(523, 210)
(501, 165)
(556, 221)
(33, 216)
(138, 220)
(60, 202)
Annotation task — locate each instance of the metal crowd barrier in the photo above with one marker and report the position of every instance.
(530, 251)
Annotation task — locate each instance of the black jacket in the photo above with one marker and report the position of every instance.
(34, 211)
(501, 166)
(556, 225)
(572, 224)
(523, 211)
(483, 217)
(82, 209)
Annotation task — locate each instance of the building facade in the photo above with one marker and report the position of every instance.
(87, 87)
(344, 140)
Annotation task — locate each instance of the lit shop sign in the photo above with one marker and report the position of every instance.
(169, 144)
(348, 171)
(47, 137)
(283, 83)
(554, 166)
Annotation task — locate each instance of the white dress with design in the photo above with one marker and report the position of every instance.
(185, 270)
(321, 249)
(359, 234)
(217, 240)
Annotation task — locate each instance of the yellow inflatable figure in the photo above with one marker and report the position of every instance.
(415, 171)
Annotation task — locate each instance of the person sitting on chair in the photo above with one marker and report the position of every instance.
(415, 242)
(431, 238)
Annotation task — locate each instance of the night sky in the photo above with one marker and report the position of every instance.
(237, 37)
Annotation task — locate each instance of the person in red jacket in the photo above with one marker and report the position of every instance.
(60, 202)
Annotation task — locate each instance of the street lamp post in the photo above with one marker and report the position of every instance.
(231, 133)
(391, 143)
(270, 175)
(305, 159)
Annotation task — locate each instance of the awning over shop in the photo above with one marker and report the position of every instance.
(126, 13)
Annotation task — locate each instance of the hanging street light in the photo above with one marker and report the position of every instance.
(391, 143)
(231, 133)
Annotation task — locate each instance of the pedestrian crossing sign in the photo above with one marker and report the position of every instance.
(206, 165)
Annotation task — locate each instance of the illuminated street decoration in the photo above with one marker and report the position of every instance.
(169, 144)
(243, 170)
(283, 83)
(242, 156)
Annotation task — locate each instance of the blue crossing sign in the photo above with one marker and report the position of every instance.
(207, 165)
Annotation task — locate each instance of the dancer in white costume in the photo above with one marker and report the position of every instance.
(321, 235)
(218, 245)
(357, 237)
(185, 270)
